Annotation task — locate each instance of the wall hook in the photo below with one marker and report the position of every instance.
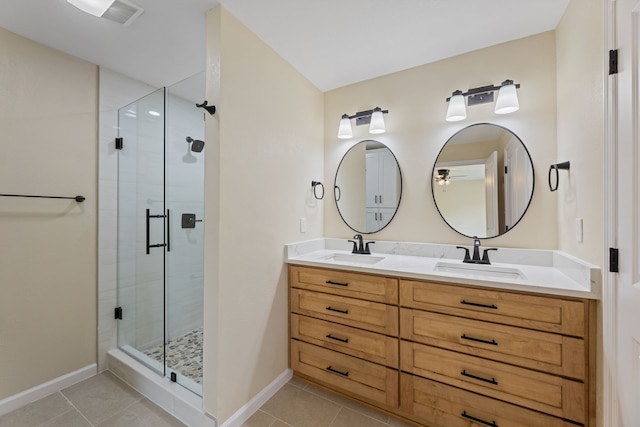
(556, 167)
(315, 184)
(210, 108)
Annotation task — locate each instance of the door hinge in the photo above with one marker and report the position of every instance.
(119, 143)
(613, 61)
(613, 260)
(506, 169)
(118, 313)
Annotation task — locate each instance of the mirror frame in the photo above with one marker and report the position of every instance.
(335, 185)
(533, 177)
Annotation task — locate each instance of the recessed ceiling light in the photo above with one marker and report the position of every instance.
(153, 113)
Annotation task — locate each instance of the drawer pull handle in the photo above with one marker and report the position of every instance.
(337, 310)
(478, 420)
(331, 282)
(475, 304)
(344, 340)
(475, 377)
(335, 371)
(465, 337)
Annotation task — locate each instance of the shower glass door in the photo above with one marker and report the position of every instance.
(185, 262)
(140, 266)
(160, 231)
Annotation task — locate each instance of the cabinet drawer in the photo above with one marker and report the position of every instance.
(508, 308)
(542, 351)
(368, 315)
(546, 393)
(371, 382)
(356, 285)
(356, 342)
(440, 405)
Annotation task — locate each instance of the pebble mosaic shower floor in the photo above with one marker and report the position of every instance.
(184, 354)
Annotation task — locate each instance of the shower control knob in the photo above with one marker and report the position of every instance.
(189, 220)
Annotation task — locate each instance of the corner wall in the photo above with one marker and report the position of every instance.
(48, 146)
(269, 133)
(116, 91)
(580, 65)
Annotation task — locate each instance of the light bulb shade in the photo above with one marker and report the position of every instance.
(344, 130)
(507, 101)
(92, 7)
(377, 122)
(457, 110)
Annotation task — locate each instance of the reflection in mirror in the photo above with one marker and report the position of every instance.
(483, 181)
(368, 187)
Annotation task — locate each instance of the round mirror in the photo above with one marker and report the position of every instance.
(483, 181)
(368, 187)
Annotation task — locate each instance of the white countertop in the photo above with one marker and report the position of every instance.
(542, 271)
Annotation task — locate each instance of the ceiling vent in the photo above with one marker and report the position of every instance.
(123, 12)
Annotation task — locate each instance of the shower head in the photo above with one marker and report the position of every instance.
(196, 144)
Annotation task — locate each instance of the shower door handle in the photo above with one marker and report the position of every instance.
(149, 245)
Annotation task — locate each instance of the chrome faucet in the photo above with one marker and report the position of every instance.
(475, 259)
(359, 247)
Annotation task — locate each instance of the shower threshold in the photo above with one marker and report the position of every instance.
(158, 368)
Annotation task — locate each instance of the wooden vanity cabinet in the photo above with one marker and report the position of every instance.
(445, 355)
(344, 332)
(495, 357)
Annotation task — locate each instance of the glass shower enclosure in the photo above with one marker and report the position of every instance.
(160, 231)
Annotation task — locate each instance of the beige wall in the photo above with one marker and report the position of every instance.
(269, 129)
(416, 131)
(580, 63)
(48, 117)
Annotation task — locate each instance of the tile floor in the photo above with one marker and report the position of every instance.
(106, 401)
(302, 404)
(100, 401)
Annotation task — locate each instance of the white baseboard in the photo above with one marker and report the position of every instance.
(19, 400)
(247, 410)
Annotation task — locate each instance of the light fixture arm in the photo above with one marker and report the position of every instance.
(366, 113)
(364, 117)
(483, 89)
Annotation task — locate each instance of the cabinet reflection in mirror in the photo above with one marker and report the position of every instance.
(483, 180)
(368, 187)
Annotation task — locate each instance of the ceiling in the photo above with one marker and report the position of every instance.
(333, 43)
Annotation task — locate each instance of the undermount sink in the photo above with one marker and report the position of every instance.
(355, 258)
(484, 270)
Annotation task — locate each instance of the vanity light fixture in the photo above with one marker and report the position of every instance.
(457, 110)
(374, 118)
(345, 131)
(376, 124)
(507, 101)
